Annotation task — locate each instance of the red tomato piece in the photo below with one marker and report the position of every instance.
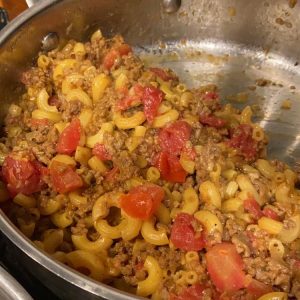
(212, 121)
(114, 54)
(172, 139)
(161, 73)
(170, 168)
(39, 122)
(242, 140)
(183, 234)
(253, 208)
(225, 267)
(101, 152)
(124, 49)
(142, 201)
(152, 97)
(211, 96)
(194, 292)
(64, 178)
(70, 137)
(112, 174)
(135, 96)
(257, 288)
(21, 175)
(270, 213)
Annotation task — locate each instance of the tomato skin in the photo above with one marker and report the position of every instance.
(172, 139)
(101, 152)
(142, 201)
(225, 267)
(257, 288)
(253, 208)
(21, 176)
(242, 139)
(112, 174)
(212, 121)
(135, 96)
(209, 96)
(194, 292)
(170, 168)
(161, 73)
(183, 234)
(63, 177)
(112, 56)
(70, 137)
(152, 97)
(270, 213)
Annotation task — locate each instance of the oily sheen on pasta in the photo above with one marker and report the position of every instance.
(128, 176)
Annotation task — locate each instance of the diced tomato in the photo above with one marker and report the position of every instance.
(110, 58)
(112, 174)
(212, 121)
(124, 49)
(170, 168)
(114, 54)
(70, 137)
(242, 140)
(152, 97)
(142, 201)
(253, 208)
(64, 178)
(21, 175)
(161, 73)
(101, 152)
(225, 267)
(257, 288)
(270, 213)
(183, 234)
(135, 96)
(194, 292)
(209, 96)
(173, 138)
(39, 122)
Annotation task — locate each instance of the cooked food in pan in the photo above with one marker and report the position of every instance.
(125, 174)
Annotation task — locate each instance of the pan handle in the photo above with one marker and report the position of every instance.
(32, 2)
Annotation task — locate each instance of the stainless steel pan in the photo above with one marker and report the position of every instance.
(238, 44)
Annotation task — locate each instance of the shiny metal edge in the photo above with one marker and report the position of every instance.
(10, 288)
(63, 271)
(23, 243)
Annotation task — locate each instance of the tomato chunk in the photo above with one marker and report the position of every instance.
(173, 138)
(70, 137)
(135, 96)
(152, 97)
(194, 292)
(101, 152)
(142, 201)
(114, 54)
(64, 178)
(21, 175)
(161, 73)
(183, 233)
(212, 121)
(112, 174)
(270, 213)
(225, 267)
(253, 208)
(242, 140)
(170, 168)
(257, 288)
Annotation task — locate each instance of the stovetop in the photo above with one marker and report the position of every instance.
(32, 285)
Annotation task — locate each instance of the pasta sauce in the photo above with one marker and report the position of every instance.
(128, 176)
